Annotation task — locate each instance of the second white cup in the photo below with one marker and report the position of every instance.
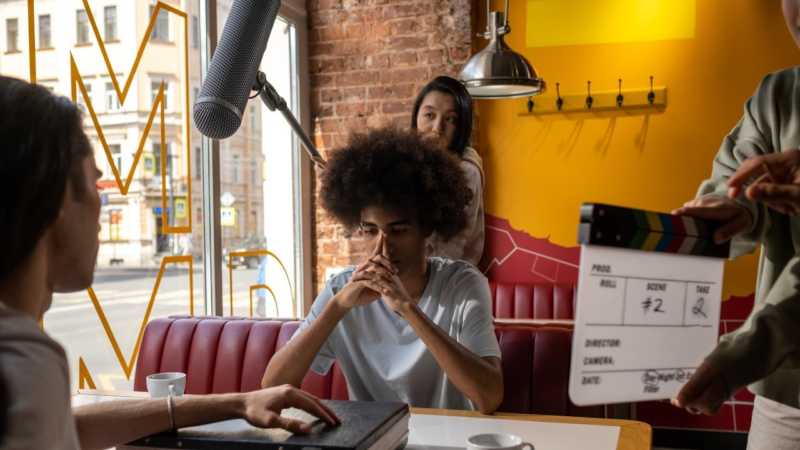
(497, 441)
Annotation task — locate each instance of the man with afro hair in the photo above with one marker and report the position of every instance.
(402, 327)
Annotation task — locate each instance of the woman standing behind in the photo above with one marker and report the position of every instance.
(443, 111)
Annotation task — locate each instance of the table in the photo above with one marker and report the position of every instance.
(442, 429)
(633, 435)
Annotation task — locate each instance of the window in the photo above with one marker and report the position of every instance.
(116, 154)
(198, 163)
(81, 27)
(44, 31)
(264, 181)
(161, 29)
(110, 16)
(133, 238)
(235, 169)
(112, 100)
(253, 117)
(195, 32)
(80, 100)
(12, 35)
(157, 159)
(155, 85)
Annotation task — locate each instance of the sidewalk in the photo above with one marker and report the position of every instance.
(111, 274)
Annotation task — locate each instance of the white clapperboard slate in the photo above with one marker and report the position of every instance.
(648, 303)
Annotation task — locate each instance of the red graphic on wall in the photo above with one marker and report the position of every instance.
(514, 256)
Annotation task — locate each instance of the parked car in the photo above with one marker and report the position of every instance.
(251, 243)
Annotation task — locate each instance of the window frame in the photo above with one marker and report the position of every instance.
(155, 85)
(158, 35)
(15, 40)
(45, 44)
(114, 24)
(110, 98)
(294, 12)
(82, 25)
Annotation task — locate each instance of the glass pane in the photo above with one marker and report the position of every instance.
(150, 262)
(260, 217)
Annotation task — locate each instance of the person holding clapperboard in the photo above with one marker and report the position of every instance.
(755, 189)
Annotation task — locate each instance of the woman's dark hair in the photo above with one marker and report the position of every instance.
(42, 146)
(398, 170)
(463, 104)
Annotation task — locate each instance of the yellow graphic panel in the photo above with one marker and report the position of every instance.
(127, 366)
(77, 83)
(123, 181)
(271, 292)
(85, 380)
(262, 252)
(582, 22)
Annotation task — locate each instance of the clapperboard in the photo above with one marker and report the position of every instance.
(649, 295)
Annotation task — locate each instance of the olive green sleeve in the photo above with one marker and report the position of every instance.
(771, 336)
(750, 137)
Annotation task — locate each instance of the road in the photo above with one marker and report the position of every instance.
(124, 295)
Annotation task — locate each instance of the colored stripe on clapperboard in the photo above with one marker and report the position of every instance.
(654, 231)
(667, 233)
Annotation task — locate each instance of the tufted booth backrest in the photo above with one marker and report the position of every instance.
(545, 301)
(230, 355)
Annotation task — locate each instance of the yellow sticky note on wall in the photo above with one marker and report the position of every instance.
(585, 22)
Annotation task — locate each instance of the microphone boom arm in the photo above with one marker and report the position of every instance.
(274, 101)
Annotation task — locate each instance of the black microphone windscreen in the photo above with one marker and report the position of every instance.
(231, 74)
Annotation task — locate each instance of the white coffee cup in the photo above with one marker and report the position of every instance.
(166, 383)
(497, 441)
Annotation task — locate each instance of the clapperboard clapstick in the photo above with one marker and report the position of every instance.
(617, 226)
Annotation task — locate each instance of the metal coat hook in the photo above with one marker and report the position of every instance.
(559, 100)
(651, 96)
(531, 104)
(620, 97)
(589, 99)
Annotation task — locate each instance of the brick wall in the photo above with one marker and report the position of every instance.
(368, 59)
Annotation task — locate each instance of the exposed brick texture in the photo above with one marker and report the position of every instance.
(368, 59)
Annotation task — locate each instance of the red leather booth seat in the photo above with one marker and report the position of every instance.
(230, 355)
(544, 301)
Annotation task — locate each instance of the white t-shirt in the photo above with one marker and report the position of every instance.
(35, 388)
(382, 357)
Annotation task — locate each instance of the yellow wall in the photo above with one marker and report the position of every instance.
(539, 169)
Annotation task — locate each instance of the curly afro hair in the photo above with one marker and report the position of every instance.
(398, 170)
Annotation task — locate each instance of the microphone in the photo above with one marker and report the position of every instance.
(232, 72)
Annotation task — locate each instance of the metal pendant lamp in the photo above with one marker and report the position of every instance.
(498, 72)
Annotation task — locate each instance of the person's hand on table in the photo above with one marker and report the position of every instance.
(262, 408)
(735, 217)
(773, 180)
(705, 391)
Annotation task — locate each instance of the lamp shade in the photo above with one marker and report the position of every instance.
(497, 71)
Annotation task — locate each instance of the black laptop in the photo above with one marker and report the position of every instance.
(365, 426)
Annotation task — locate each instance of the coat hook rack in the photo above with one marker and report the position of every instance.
(589, 99)
(618, 101)
(559, 100)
